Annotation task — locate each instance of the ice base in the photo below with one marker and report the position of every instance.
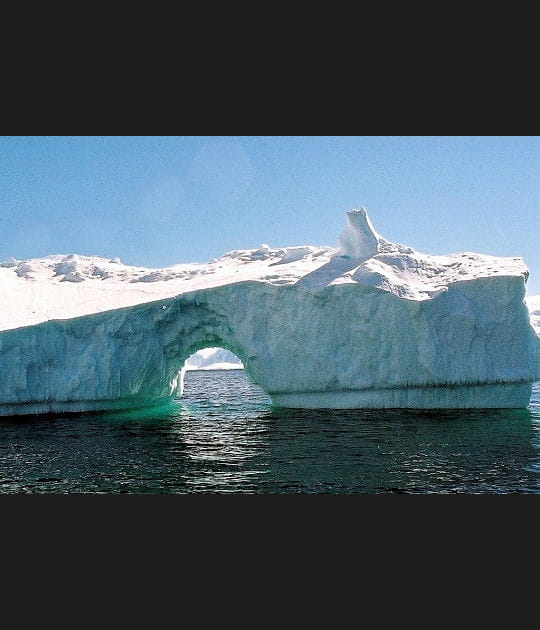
(490, 396)
(81, 406)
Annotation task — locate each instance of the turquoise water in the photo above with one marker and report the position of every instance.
(224, 436)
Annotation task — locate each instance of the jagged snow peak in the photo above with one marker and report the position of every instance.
(370, 323)
(359, 238)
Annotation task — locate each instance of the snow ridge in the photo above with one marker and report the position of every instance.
(65, 286)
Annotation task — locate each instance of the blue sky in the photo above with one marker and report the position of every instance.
(156, 201)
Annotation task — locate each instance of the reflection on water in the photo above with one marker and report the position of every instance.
(224, 436)
(221, 421)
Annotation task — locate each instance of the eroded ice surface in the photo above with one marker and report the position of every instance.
(368, 323)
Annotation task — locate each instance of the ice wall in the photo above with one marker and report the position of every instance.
(344, 346)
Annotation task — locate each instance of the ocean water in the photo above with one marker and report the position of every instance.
(224, 436)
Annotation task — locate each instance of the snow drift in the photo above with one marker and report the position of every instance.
(368, 324)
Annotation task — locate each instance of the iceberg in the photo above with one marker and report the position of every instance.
(368, 324)
(533, 303)
(213, 359)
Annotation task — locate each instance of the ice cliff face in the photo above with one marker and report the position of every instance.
(368, 324)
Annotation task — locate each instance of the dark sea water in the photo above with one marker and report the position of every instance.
(225, 437)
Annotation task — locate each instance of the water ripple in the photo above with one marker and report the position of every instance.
(224, 436)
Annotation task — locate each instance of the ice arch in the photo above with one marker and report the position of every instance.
(127, 357)
(342, 346)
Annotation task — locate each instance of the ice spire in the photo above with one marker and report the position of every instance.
(359, 238)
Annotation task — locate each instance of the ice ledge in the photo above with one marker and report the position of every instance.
(82, 406)
(494, 396)
(499, 396)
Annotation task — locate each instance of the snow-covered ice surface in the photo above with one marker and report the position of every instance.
(370, 323)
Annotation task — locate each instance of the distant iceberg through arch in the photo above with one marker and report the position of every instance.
(213, 359)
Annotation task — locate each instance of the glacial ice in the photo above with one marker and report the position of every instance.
(370, 323)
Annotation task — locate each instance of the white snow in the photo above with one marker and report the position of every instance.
(359, 238)
(66, 286)
(369, 323)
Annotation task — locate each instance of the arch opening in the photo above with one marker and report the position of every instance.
(208, 359)
(213, 358)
